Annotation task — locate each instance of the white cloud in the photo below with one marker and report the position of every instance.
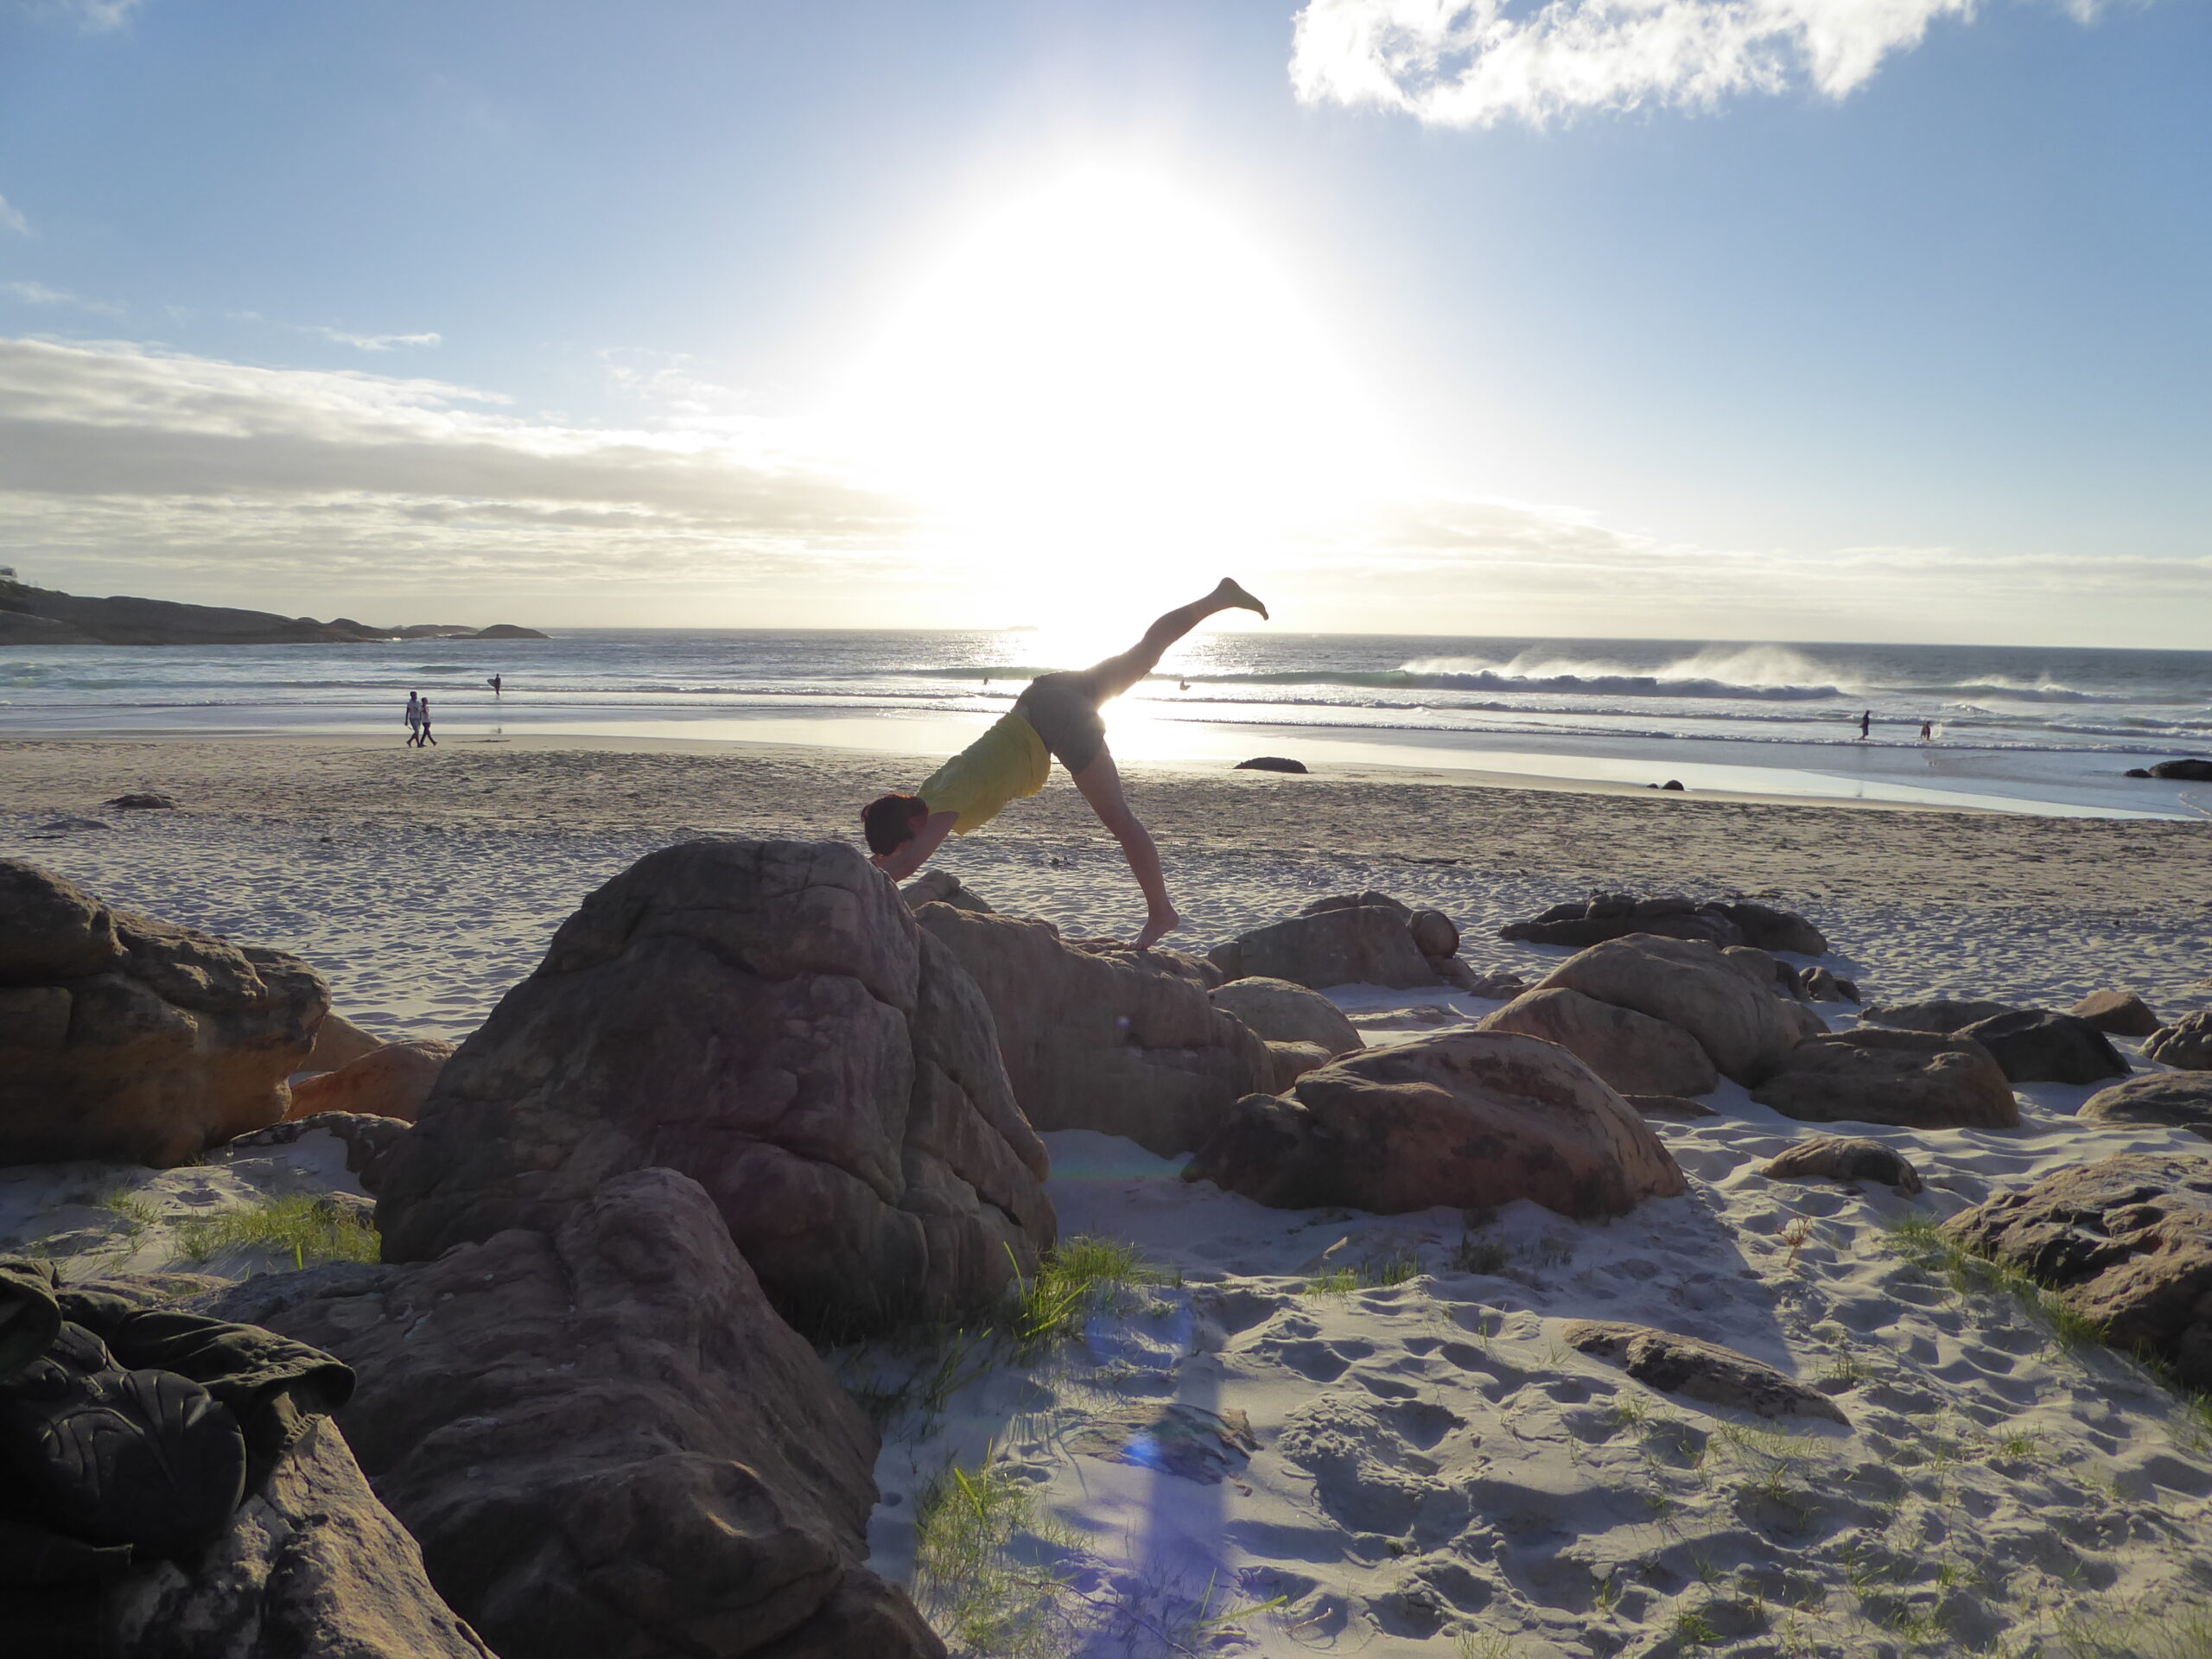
(121, 463)
(376, 342)
(11, 218)
(1473, 63)
(40, 293)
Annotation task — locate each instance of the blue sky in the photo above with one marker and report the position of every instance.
(1682, 317)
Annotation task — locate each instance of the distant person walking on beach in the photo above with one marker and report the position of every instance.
(1926, 731)
(1865, 723)
(1056, 716)
(427, 738)
(494, 683)
(413, 720)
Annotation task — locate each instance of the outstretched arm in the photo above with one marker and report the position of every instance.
(916, 852)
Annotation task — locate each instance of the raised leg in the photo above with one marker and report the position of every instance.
(1117, 674)
(1100, 784)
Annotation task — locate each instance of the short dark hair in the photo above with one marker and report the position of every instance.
(889, 821)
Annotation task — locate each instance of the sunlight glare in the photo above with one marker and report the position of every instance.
(1106, 369)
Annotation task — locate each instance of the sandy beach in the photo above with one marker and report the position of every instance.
(1422, 1466)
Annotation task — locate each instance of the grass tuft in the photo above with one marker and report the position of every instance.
(1925, 1244)
(305, 1229)
(1080, 1276)
(969, 1574)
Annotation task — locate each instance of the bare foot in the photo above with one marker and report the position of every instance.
(1234, 596)
(1155, 926)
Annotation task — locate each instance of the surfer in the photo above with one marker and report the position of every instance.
(1056, 717)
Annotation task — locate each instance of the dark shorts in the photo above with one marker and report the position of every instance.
(1063, 711)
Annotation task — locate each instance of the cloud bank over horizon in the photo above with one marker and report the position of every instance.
(127, 467)
(1477, 63)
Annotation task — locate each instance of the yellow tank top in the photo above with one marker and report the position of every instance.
(1007, 763)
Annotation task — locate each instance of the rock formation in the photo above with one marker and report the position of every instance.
(2035, 1046)
(1461, 1118)
(392, 1080)
(1616, 915)
(2120, 1013)
(2186, 1045)
(2127, 1244)
(1736, 1018)
(607, 1442)
(1635, 1053)
(767, 1018)
(130, 1041)
(337, 1041)
(1095, 1035)
(39, 616)
(1917, 1079)
(2183, 1099)
(1940, 1014)
(369, 1142)
(1357, 939)
(1281, 1012)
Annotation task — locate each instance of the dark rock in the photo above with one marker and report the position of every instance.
(2127, 1244)
(2193, 771)
(1672, 783)
(1633, 1052)
(1940, 1014)
(2035, 1046)
(1270, 762)
(769, 1019)
(1463, 1119)
(2122, 1013)
(1844, 1158)
(2183, 1099)
(1613, 916)
(1095, 1035)
(369, 1140)
(1819, 985)
(606, 1441)
(1769, 928)
(144, 800)
(1745, 1028)
(131, 1041)
(1342, 944)
(1500, 985)
(1698, 1371)
(1288, 1062)
(509, 631)
(1920, 1079)
(2135, 772)
(1370, 900)
(2186, 1045)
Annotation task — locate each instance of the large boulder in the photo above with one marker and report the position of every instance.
(2186, 1045)
(1745, 1028)
(1633, 1052)
(1097, 1036)
(1281, 1012)
(2121, 1014)
(2127, 1244)
(1461, 1118)
(1940, 1014)
(1917, 1079)
(338, 1041)
(2183, 1099)
(2188, 771)
(392, 1080)
(131, 1041)
(2035, 1046)
(1617, 915)
(1344, 943)
(313, 1565)
(767, 1018)
(607, 1442)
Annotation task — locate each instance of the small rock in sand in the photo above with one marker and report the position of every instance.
(1176, 1438)
(2186, 1045)
(943, 887)
(2121, 1014)
(1844, 1158)
(1499, 985)
(1270, 762)
(143, 800)
(1701, 1370)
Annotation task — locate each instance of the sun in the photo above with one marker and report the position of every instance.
(1106, 376)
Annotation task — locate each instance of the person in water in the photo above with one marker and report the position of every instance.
(1055, 717)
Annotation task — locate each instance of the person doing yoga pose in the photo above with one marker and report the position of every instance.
(1056, 717)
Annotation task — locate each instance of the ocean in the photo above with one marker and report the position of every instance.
(2010, 727)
